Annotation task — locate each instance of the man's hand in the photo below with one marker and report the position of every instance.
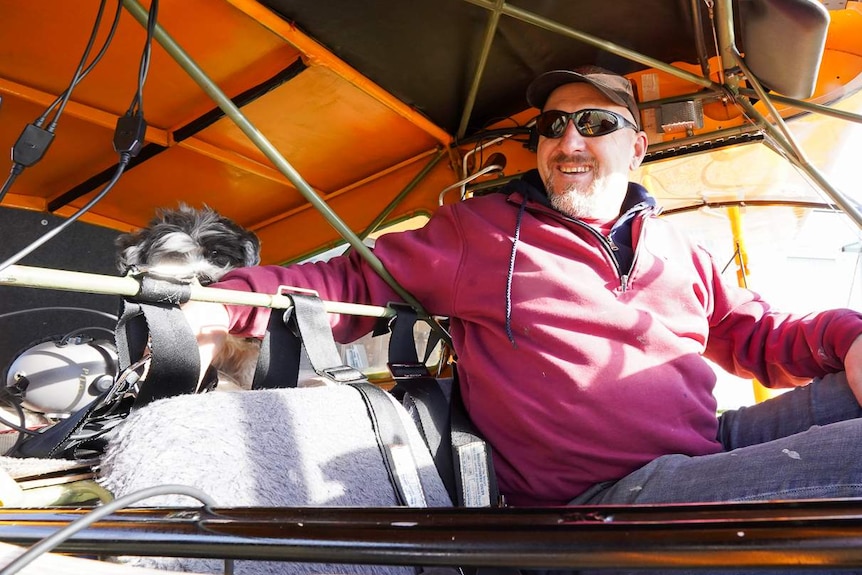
(209, 323)
(853, 368)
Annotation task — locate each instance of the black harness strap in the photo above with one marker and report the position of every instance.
(420, 392)
(428, 401)
(313, 328)
(394, 444)
(278, 362)
(175, 363)
(303, 326)
(474, 465)
(306, 326)
(462, 457)
(173, 370)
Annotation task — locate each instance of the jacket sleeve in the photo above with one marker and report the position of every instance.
(423, 262)
(750, 339)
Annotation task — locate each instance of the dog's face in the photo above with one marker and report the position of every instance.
(187, 243)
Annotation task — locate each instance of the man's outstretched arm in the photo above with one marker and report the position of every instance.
(209, 323)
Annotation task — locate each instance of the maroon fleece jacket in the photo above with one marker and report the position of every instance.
(575, 371)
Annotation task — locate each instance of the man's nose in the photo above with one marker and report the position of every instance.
(571, 138)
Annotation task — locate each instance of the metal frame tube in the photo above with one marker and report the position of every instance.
(490, 30)
(547, 24)
(265, 146)
(726, 41)
(786, 534)
(127, 286)
(782, 138)
(402, 194)
(807, 106)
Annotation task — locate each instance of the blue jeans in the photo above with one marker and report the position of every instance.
(803, 444)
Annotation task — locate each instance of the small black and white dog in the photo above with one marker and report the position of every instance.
(189, 243)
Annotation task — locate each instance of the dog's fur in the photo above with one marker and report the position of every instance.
(189, 243)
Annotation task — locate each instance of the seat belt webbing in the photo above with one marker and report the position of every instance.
(462, 457)
(306, 325)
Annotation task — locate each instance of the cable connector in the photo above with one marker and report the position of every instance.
(31, 145)
(130, 134)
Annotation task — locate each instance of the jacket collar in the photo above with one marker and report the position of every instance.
(531, 188)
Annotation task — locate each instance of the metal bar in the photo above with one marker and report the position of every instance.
(807, 106)
(726, 41)
(346, 189)
(787, 136)
(402, 194)
(127, 286)
(761, 393)
(703, 95)
(265, 146)
(547, 24)
(801, 535)
(783, 139)
(490, 30)
(753, 204)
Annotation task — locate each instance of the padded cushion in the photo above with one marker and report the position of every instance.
(286, 447)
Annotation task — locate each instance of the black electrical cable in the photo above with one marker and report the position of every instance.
(22, 432)
(76, 78)
(10, 179)
(121, 166)
(34, 141)
(9, 399)
(128, 140)
(137, 105)
(52, 541)
(131, 128)
(67, 93)
(15, 312)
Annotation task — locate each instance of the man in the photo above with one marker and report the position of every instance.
(581, 320)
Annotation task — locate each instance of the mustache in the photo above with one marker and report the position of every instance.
(582, 159)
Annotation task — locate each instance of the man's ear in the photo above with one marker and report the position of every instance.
(639, 150)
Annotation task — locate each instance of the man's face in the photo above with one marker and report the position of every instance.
(587, 177)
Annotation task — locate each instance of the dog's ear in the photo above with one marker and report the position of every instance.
(251, 248)
(129, 250)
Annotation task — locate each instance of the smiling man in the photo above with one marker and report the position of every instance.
(582, 323)
(586, 176)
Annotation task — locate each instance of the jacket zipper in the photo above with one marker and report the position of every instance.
(610, 248)
(637, 247)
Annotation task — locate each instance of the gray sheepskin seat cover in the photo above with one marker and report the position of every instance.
(293, 447)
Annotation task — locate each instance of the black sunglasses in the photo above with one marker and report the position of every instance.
(589, 123)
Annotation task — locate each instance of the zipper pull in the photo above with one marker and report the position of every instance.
(624, 282)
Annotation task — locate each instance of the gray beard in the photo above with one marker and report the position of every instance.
(574, 203)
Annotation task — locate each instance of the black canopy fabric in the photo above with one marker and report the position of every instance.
(426, 52)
